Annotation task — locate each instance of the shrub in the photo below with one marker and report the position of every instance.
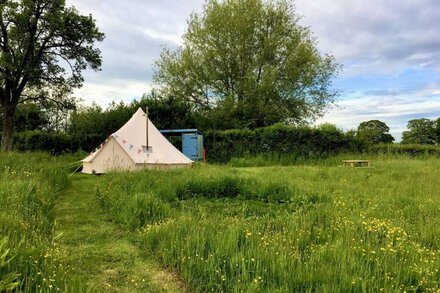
(405, 149)
(36, 140)
(306, 142)
(55, 143)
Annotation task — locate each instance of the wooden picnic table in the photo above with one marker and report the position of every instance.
(356, 163)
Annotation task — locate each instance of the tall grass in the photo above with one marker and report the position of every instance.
(291, 159)
(29, 186)
(286, 229)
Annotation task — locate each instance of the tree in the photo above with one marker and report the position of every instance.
(167, 112)
(421, 131)
(437, 130)
(89, 126)
(29, 116)
(374, 132)
(250, 63)
(38, 40)
(58, 105)
(328, 127)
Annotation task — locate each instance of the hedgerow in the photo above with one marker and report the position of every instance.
(307, 142)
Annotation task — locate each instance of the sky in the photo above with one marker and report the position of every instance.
(389, 51)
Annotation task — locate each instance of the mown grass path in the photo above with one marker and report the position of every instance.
(101, 252)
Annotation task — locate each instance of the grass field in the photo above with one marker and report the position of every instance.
(310, 227)
(30, 260)
(285, 229)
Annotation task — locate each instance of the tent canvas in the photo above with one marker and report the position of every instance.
(126, 149)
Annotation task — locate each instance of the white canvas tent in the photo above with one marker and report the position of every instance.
(126, 149)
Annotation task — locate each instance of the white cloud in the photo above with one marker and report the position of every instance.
(395, 111)
(376, 36)
(112, 90)
(135, 32)
(370, 38)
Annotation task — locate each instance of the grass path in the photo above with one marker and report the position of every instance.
(101, 252)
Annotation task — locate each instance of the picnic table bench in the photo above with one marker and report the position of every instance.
(356, 163)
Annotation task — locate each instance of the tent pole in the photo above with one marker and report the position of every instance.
(146, 115)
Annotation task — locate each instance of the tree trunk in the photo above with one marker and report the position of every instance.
(8, 129)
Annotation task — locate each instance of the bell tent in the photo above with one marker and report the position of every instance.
(134, 147)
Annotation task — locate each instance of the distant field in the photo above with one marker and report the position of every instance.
(313, 227)
(285, 229)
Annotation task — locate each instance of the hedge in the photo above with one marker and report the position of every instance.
(59, 143)
(222, 146)
(36, 140)
(307, 142)
(412, 150)
(54, 142)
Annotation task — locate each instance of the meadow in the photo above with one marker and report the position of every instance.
(316, 227)
(311, 226)
(30, 260)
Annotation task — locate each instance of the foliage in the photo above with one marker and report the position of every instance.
(255, 69)
(374, 132)
(90, 126)
(52, 142)
(437, 130)
(30, 116)
(296, 142)
(167, 112)
(57, 107)
(43, 115)
(341, 229)
(412, 150)
(421, 131)
(39, 40)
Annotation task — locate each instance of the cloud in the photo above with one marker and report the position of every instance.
(394, 110)
(376, 36)
(390, 52)
(102, 93)
(135, 33)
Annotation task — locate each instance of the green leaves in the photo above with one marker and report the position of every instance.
(39, 39)
(421, 131)
(250, 61)
(297, 142)
(374, 132)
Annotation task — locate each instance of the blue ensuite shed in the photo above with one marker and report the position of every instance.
(192, 142)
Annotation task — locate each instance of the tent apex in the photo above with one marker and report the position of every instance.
(139, 111)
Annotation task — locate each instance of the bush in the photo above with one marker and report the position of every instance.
(298, 142)
(405, 149)
(54, 142)
(294, 143)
